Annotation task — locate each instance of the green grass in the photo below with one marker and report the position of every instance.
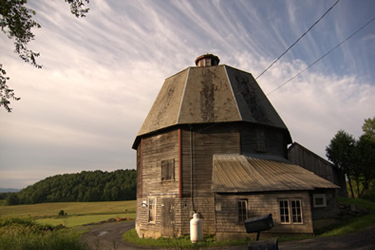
(73, 221)
(78, 213)
(361, 203)
(182, 242)
(71, 208)
(351, 226)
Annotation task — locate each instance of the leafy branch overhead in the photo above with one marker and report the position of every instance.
(16, 21)
(5, 92)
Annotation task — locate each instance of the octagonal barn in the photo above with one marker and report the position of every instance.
(213, 144)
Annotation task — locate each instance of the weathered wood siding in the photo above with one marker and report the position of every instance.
(227, 225)
(197, 157)
(274, 140)
(198, 147)
(155, 149)
(303, 157)
(139, 171)
(328, 212)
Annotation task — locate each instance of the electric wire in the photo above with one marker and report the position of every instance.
(264, 71)
(320, 58)
(316, 61)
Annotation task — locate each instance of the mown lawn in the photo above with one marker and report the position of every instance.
(78, 213)
(71, 208)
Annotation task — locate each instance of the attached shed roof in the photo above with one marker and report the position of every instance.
(243, 174)
(210, 95)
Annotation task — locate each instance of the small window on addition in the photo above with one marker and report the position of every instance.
(167, 170)
(320, 200)
(242, 210)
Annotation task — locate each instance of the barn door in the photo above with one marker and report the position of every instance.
(167, 217)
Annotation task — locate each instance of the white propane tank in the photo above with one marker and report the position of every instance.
(196, 228)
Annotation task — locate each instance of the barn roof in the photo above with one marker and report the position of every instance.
(211, 94)
(243, 174)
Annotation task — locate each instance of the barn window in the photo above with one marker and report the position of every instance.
(319, 200)
(152, 210)
(261, 141)
(242, 210)
(167, 170)
(290, 211)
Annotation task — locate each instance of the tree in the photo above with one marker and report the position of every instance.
(12, 199)
(355, 157)
(369, 128)
(341, 152)
(365, 158)
(366, 155)
(16, 22)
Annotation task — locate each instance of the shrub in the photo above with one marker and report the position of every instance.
(16, 233)
(62, 213)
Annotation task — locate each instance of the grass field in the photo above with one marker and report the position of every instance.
(78, 213)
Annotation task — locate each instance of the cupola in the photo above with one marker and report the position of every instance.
(207, 60)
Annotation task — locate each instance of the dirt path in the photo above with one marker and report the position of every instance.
(108, 237)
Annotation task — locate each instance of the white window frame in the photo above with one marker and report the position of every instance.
(152, 210)
(319, 196)
(290, 214)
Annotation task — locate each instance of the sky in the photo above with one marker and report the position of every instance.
(102, 73)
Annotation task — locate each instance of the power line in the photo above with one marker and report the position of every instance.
(320, 58)
(297, 40)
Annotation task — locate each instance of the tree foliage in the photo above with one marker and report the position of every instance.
(341, 152)
(355, 157)
(84, 186)
(6, 93)
(16, 21)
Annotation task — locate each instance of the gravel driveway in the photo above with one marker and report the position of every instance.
(108, 237)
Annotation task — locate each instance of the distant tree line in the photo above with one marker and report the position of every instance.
(85, 186)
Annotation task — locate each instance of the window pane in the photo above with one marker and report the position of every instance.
(284, 211)
(296, 211)
(242, 210)
(152, 210)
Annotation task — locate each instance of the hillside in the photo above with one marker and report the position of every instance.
(85, 186)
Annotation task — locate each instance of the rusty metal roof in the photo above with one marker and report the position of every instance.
(210, 95)
(242, 174)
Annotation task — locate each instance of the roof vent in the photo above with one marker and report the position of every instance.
(207, 60)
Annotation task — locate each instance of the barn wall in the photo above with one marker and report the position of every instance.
(143, 227)
(150, 154)
(319, 166)
(227, 225)
(323, 216)
(274, 140)
(139, 171)
(205, 143)
(311, 162)
(155, 149)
